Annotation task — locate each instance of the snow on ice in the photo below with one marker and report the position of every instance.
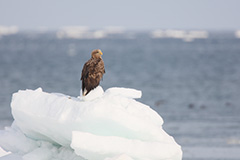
(108, 125)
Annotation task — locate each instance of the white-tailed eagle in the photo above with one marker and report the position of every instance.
(92, 72)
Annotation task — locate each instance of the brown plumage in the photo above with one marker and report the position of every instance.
(92, 72)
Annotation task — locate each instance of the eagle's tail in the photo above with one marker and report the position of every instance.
(84, 92)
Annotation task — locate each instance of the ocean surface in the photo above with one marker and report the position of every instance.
(194, 86)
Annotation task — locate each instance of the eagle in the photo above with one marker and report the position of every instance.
(92, 72)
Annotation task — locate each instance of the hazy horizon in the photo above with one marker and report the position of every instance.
(130, 15)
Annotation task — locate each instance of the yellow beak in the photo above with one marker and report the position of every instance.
(100, 52)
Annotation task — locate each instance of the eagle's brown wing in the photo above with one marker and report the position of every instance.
(92, 73)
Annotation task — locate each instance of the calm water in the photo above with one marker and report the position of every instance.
(194, 86)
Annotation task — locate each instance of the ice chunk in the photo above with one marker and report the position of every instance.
(53, 117)
(24, 148)
(125, 92)
(12, 139)
(96, 147)
(121, 157)
(95, 93)
(3, 152)
(11, 157)
(101, 126)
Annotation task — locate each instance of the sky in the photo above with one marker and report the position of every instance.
(129, 14)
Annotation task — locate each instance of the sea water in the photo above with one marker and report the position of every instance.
(194, 86)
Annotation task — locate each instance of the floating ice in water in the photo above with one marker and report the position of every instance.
(180, 34)
(8, 30)
(237, 34)
(107, 125)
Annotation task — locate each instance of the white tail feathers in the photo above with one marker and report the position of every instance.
(84, 92)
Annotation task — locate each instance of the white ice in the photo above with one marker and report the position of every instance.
(108, 125)
(3, 152)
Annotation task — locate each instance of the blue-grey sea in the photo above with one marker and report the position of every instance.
(194, 86)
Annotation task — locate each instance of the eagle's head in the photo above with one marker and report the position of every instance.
(96, 53)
